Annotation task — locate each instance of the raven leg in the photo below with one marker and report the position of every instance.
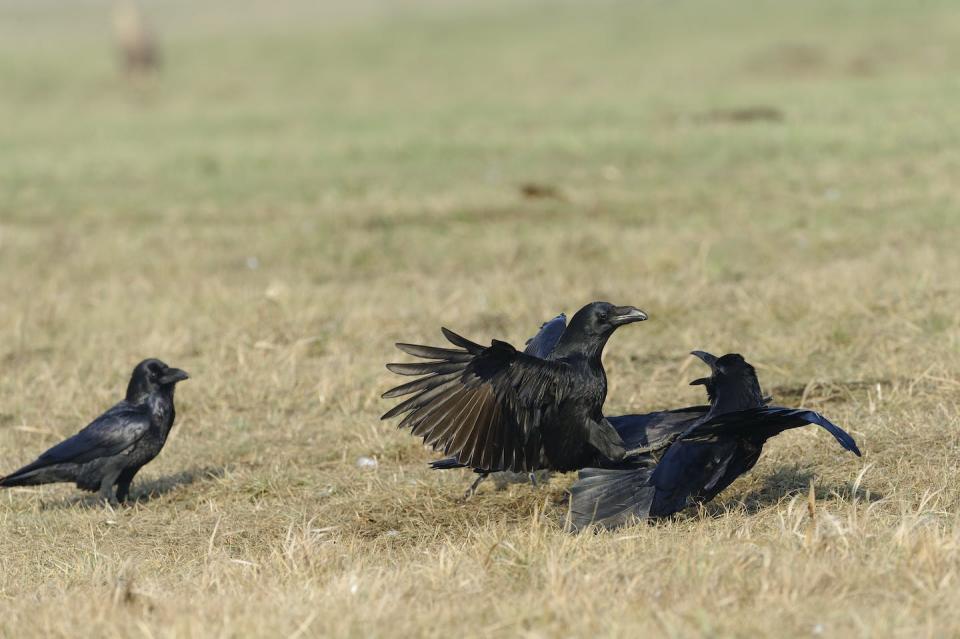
(106, 487)
(123, 483)
(473, 487)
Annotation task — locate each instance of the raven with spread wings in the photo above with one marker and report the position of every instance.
(495, 408)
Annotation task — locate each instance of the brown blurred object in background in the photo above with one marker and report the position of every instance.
(136, 40)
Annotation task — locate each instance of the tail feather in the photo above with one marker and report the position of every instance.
(610, 497)
(34, 475)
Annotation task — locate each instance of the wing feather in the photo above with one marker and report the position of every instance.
(439, 368)
(546, 339)
(486, 406)
(110, 434)
(471, 347)
(767, 421)
(425, 383)
(433, 352)
(413, 404)
(441, 425)
(428, 417)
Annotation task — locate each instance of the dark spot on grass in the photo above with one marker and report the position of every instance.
(744, 115)
(534, 191)
(788, 58)
(443, 221)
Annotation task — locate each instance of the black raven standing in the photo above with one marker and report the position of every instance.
(495, 408)
(690, 455)
(112, 448)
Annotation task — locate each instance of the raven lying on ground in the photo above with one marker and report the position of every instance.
(690, 455)
(115, 445)
(495, 408)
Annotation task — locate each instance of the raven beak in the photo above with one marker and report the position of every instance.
(173, 375)
(702, 381)
(707, 358)
(627, 315)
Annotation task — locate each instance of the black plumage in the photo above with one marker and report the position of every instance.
(677, 458)
(540, 345)
(547, 338)
(115, 446)
(495, 408)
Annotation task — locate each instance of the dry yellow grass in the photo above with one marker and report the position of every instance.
(301, 189)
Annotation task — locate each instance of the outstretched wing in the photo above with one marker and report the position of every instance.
(484, 406)
(540, 345)
(792, 415)
(713, 453)
(110, 434)
(654, 431)
(543, 343)
(768, 421)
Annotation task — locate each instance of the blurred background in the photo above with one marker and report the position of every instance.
(171, 108)
(311, 181)
(569, 149)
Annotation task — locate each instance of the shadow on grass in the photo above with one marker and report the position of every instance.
(786, 482)
(145, 492)
(150, 490)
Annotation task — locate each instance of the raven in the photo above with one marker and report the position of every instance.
(689, 455)
(114, 446)
(494, 408)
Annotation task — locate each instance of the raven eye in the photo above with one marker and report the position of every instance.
(602, 317)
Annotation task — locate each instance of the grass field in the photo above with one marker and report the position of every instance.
(306, 183)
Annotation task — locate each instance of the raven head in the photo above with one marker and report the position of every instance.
(733, 383)
(592, 326)
(150, 376)
(600, 319)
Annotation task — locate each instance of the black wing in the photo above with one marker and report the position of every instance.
(484, 406)
(543, 343)
(697, 470)
(540, 345)
(767, 421)
(655, 431)
(110, 434)
(712, 454)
